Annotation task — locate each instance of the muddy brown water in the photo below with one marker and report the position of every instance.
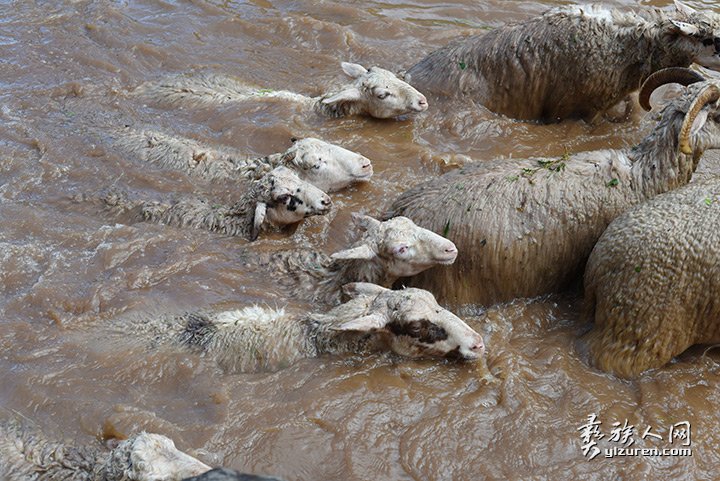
(67, 268)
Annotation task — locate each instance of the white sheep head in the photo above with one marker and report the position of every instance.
(402, 247)
(416, 325)
(153, 457)
(283, 198)
(326, 166)
(378, 93)
(701, 32)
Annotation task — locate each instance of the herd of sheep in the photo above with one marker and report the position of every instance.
(645, 237)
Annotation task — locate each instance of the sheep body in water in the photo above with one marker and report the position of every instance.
(326, 166)
(571, 62)
(385, 252)
(526, 227)
(26, 454)
(375, 92)
(652, 280)
(278, 199)
(408, 322)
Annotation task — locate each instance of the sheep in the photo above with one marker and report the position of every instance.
(571, 62)
(525, 227)
(408, 322)
(386, 251)
(375, 92)
(224, 474)
(27, 455)
(278, 199)
(652, 280)
(328, 167)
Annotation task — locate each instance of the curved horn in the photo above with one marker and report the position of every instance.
(679, 75)
(711, 93)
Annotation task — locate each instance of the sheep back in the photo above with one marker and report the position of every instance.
(652, 280)
(522, 227)
(571, 63)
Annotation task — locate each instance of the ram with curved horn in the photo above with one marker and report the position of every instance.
(525, 227)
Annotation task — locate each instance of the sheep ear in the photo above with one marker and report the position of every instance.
(260, 214)
(351, 94)
(364, 222)
(362, 252)
(686, 28)
(289, 155)
(362, 289)
(365, 323)
(684, 9)
(353, 70)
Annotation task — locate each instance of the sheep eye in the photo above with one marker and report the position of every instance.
(383, 95)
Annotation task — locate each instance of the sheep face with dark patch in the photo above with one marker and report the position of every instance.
(416, 325)
(403, 248)
(328, 167)
(286, 199)
(376, 92)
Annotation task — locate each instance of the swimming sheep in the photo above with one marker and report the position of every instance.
(327, 166)
(408, 322)
(574, 61)
(385, 252)
(526, 227)
(25, 455)
(652, 280)
(374, 92)
(278, 199)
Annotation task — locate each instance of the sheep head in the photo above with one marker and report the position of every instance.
(326, 166)
(283, 198)
(378, 93)
(403, 248)
(699, 106)
(416, 325)
(700, 31)
(153, 457)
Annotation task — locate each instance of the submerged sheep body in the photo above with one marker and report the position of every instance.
(652, 280)
(571, 62)
(278, 199)
(25, 454)
(525, 227)
(374, 92)
(407, 322)
(328, 167)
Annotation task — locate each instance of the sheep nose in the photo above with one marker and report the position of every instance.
(423, 103)
(478, 347)
(451, 250)
(326, 202)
